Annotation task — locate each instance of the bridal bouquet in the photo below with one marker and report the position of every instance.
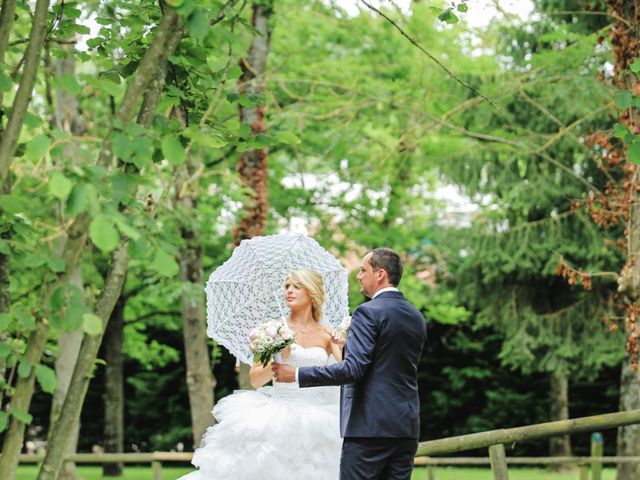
(344, 327)
(269, 338)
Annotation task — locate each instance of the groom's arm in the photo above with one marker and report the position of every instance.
(361, 346)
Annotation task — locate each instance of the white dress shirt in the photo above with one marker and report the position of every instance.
(386, 289)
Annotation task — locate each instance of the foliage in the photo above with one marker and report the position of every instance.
(363, 133)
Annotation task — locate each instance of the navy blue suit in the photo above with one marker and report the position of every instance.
(379, 414)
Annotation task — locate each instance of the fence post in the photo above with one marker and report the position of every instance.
(156, 466)
(431, 472)
(597, 450)
(498, 460)
(584, 471)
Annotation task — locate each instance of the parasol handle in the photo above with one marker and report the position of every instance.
(280, 307)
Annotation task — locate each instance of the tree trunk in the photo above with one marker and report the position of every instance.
(82, 373)
(68, 348)
(200, 379)
(23, 95)
(66, 117)
(7, 14)
(252, 165)
(628, 442)
(244, 382)
(21, 400)
(626, 47)
(114, 389)
(559, 410)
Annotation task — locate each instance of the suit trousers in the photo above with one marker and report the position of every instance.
(377, 458)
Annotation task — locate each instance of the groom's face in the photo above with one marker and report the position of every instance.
(366, 277)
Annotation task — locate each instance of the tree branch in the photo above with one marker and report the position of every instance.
(434, 59)
(7, 14)
(23, 96)
(154, 313)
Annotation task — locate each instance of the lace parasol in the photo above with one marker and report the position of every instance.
(248, 289)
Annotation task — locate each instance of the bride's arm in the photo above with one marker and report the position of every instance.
(336, 351)
(259, 376)
(335, 345)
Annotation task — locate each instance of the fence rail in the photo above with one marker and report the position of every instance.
(546, 461)
(494, 440)
(532, 432)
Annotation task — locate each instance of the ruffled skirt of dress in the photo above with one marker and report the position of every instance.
(274, 433)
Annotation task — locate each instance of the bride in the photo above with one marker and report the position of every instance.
(283, 431)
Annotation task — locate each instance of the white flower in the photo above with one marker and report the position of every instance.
(346, 322)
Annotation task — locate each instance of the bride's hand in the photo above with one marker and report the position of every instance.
(337, 339)
(286, 352)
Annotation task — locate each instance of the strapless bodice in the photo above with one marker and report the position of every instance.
(307, 356)
(303, 357)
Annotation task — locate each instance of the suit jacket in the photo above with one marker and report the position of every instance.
(379, 394)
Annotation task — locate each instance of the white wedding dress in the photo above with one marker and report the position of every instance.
(274, 433)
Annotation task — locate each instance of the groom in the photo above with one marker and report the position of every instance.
(379, 414)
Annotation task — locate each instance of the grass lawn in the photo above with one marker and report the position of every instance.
(29, 472)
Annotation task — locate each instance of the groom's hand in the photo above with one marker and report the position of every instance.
(283, 373)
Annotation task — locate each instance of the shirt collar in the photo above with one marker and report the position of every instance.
(387, 289)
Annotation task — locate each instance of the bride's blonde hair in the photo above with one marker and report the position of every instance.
(312, 282)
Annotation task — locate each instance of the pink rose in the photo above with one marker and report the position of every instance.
(253, 334)
(272, 332)
(346, 322)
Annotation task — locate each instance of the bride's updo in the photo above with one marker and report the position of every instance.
(312, 282)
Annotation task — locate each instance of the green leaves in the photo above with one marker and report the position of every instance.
(620, 130)
(204, 138)
(633, 153)
(24, 417)
(5, 82)
(5, 320)
(83, 197)
(165, 264)
(24, 368)
(624, 99)
(103, 233)
(198, 25)
(133, 146)
(57, 265)
(91, 324)
(173, 150)
(120, 145)
(37, 148)
(46, 378)
(288, 138)
(448, 16)
(69, 83)
(4, 420)
(59, 185)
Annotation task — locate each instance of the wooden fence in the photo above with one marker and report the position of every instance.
(430, 464)
(494, 440)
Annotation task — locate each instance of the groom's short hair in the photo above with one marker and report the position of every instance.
(389, 261)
